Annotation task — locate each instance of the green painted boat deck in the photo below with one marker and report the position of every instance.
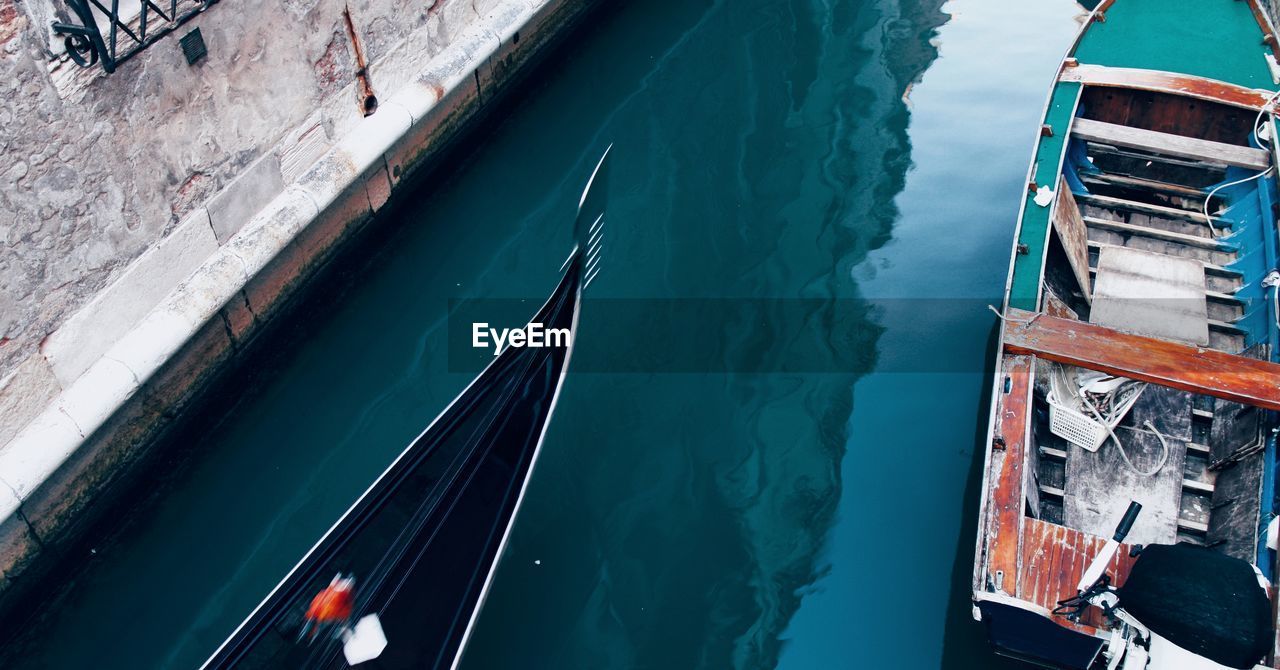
(1217, 39)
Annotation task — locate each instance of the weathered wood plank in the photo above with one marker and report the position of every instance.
(1073, 236)
(1169, 410)
(1151, 294)
(1236, 430)
(1056, 454)
(1099, 487)
(1197, 486)
(1004, 509)
(1233, 523)
(1167, 82)
(1225, 298)
(1170, 145)
(1189, 526)
(1197, 166)
(1235, 427)
(1126, 181)
(1171, 224)
(1057, 306)
(1174, 249)
(1156, 233)
(1206, 371)
(1054, 557)
(1224, 327)
(1147, 208)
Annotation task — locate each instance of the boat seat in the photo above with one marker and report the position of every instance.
(1151, 294)
(1204, 371)
(1168, 144)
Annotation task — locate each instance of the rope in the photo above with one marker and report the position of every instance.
(1209, 219)
(1059, 384)
(1272, 280)
(1124, 455)
(1011, 319)
(1257, 121)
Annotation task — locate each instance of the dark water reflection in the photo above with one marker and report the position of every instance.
(804, 519)
(681, 517)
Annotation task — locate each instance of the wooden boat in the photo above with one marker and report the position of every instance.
(1129, 485)
(407, 567)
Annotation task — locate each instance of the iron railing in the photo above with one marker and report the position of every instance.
(126, 35)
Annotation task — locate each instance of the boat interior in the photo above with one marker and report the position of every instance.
(1162, 237)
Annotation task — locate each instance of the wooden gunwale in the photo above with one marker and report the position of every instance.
(1005, 469)
(981, 548)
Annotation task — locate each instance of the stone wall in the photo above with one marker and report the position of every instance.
(165, 213)
(97, 168)
(1272, 8)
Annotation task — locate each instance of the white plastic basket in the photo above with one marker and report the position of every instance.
(1075, 427)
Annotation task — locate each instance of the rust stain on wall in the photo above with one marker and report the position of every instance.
(364, 89)
(11, 22)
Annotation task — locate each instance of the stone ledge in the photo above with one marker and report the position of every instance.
(251, 191)
(87, 335)
(24, 392)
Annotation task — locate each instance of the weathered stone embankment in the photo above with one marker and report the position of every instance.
(108, 380)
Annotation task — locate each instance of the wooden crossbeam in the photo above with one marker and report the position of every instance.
(1149, 209)
(1167, 82)
(1168, 144)
(1158, 234)
(1235, 378)
(1127, 181)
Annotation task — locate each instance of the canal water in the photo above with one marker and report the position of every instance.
(800, 494)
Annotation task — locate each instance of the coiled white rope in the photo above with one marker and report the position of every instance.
(1124, 455)
(1114, 414)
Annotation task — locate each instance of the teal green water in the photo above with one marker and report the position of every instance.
(696, 520)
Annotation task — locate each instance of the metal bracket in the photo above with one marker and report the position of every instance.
(87, 45)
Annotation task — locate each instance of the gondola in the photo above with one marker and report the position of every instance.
(398, 581)
(1127, 518)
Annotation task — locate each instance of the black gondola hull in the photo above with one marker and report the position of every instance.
(422, 542)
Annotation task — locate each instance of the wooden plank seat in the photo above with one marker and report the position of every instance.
(1138, 183)
(1149, 209)
(1210, 243)
(1168, 144)
(1160, 81)
(1235, 378)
